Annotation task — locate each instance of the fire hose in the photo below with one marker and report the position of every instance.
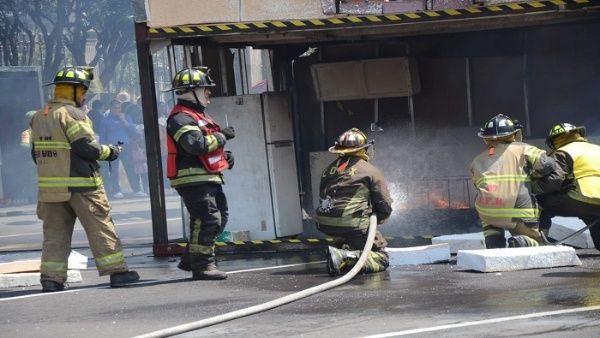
(179, 329)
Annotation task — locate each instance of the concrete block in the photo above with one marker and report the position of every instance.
(564, 226)
(514, 259)
(419, 254)
(470, 241)
(404, 6)
(13, 280)
(450, 4)
(77, 261)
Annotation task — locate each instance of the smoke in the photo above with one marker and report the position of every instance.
(427, 173)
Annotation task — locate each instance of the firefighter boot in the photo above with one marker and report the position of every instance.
(52, 286)
(340, 261)
(521, 241)
(121, 279)
(210, 272)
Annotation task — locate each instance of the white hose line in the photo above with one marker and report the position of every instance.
(276, 302)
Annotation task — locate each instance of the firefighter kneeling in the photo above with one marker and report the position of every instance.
(573, 189)
(502, 175)
(351, 190)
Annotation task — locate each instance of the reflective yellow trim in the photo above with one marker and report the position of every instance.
(212, 142)
(109, 260)
(104, 152)
(77, 127)
(51, 145)
(65, 182)
(184, 130)
(53, 266)
(501, 178)
(348, 222)
(507, 212)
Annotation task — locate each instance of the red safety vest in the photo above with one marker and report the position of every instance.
(214, 162)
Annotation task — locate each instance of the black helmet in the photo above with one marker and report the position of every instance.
(190, 78)
(562, 129)
(74, 75)
(350, 141)
(499, 126)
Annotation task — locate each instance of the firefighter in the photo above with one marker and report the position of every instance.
(573, 189)
(501, 175)
(352, 189)
(196, 160)
(70, 186)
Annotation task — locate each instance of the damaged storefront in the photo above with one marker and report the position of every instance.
(291, 76)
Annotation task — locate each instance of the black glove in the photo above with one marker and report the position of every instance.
(114, 153)
(229, 158)
(229, 132)
(221, 140)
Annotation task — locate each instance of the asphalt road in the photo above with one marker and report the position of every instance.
(422, 301)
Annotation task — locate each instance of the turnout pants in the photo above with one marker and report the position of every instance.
(208, 210)
(58, 218)
(494, 235)
(352, 239)
(562, 205)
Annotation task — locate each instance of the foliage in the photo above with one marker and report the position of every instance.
(54, 33)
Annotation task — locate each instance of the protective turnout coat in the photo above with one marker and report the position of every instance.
(351, 190)
(501, 175)
(65, 151)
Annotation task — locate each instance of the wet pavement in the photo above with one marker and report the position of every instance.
(422, 297)
(423, 300)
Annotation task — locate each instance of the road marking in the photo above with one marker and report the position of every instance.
(155, 281)
(485, 321)
(80, 229)
(41, 294)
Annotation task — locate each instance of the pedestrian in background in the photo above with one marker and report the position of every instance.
(70, 187)
(195, 164)
(118, 128)
(352, 189)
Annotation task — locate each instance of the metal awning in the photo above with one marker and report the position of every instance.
(402, 24)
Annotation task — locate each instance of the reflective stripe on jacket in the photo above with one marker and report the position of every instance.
(351, 190)
(65, 151)
(503, 183)
(586, 170)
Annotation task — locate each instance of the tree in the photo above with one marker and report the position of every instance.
(63, 28)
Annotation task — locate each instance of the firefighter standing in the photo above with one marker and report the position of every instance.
(502, 176)
(70, 185)
(351, 190)
(195, 162)
(573, 189)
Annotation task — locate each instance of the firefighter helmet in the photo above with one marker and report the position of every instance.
(74, 75)
(190, 78)
(350, 141)
(499, 126)
(562, 129)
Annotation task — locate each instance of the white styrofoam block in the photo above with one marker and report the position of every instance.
(12, 280)
(513, 259)
(77, 261)
(469, 241)
(565, 226)
(419, 254)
